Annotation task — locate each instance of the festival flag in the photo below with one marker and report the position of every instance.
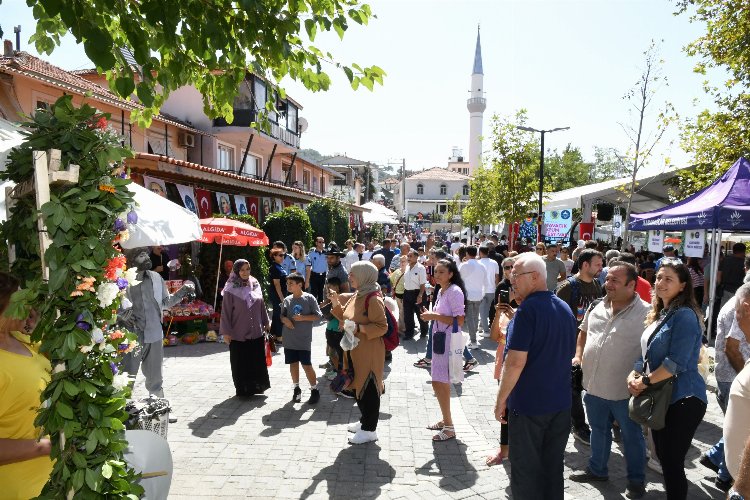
(188, 198)
(225, 206)
(155, 185)
(203, 197)
(252, 207)
(241, 203)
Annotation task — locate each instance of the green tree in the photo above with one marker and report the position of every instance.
(330, 219)
(566, 170)
(453, 209)
(608, 164)
(210, 44)
(504, 189)
(289, 225)
(368, 184)
(717, 138)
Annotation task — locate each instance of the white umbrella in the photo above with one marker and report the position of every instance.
(149, 454)
(160, 221)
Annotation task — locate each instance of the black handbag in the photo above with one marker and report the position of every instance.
(650, 407)
(439, 339)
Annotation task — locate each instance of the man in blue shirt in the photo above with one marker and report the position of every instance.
(535, 383)
(317, 266)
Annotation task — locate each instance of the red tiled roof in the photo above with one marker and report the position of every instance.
(231, 175)
(23, 63)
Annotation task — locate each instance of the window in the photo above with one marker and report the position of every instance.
(306, 179)
(251, 167)
(225, 157)
(420, 189)
(259, 88)
(466, 190)
(443, 189)
(291, 117)
(442, 208)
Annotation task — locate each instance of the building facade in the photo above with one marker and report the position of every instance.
(427, 194)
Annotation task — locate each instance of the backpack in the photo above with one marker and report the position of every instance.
(390, 339)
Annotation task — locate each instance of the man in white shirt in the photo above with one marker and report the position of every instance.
(492, 278)
(415, 280)
(473, 275)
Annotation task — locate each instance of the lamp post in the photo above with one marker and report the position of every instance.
(540, 213)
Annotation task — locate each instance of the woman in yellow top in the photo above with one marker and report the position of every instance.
(25, 464)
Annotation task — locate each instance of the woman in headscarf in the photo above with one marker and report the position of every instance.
(243, 320)
(368, 357)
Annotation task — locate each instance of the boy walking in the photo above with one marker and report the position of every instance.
(298, 311)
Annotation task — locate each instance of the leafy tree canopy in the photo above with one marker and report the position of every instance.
(716, 139)
(210, 44)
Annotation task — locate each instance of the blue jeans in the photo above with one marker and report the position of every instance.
(716, 453)
(601, 413)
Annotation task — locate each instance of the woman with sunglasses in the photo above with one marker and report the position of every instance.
(671, 344)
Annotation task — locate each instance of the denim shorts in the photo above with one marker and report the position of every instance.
(292, 356)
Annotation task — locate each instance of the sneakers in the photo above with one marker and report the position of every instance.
(724, 486)
(355, 427)
(331, 374)
(587, 477)
(469, 365)
(583, 436)
(297, 395)
(362, 437)
(706, 462)
(314, 396)
(472, 345)
(635, 490)
(346, 393)
(327, 365)
(654, 465)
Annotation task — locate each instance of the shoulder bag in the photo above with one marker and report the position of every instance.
(650, 407)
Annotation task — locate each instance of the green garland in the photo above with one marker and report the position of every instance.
(83, 406)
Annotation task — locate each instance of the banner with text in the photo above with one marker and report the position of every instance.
(656, 240)
(557, 224)
(695, 242)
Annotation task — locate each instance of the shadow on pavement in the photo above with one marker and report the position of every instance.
(357, 472)
(288, 417)
(195, 350)
(455, 470)
(224, 414)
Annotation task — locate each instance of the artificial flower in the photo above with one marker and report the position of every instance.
(86, 348)
(113, 366)
(59, 368)
(119, 225)
(131, 274)
(120, 381)
(106, 293)
(80, 323)
(123, 235)
(132, 217)
(97, 335)
(122, 283)
(117, 334)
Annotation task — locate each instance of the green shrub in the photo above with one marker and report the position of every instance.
(330, 220)
(289, 225)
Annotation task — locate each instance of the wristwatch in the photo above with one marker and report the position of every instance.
(734, 495)
(646, 380)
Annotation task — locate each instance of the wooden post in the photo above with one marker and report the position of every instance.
(41, 185)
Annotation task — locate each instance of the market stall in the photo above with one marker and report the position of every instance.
(722, 206)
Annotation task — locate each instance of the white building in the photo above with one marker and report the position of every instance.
(429, 192)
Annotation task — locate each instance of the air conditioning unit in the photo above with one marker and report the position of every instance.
(186, 139)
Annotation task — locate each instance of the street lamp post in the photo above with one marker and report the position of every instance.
(540, 212)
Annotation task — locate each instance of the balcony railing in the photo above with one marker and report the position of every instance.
(245, 117)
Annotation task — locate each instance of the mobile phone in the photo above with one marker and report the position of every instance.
(504, 297)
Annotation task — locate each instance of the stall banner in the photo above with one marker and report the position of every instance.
(586, 230)
(265, 209)
(155, 185)
(252, 207)
(557, 224)
(528, 229)
(656, 240)
(225, 206)
(617, 225)
(277, 205)
(188, 197)
(694, 242)
(241, 203)
(203, 197)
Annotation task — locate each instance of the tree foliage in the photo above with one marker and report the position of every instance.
(84, 403)
(504, 188)
(330, 219)
(289, 225)
(566, 170)
(210, 44)
(717, 138)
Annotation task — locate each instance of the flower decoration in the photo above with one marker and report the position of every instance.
(97, 336)
(117, 334)
(120, 381)
(119, 225)
(115, 267)
(80, 323)
(105, 184)
(106, 293)
(132, 217)
(86, 285)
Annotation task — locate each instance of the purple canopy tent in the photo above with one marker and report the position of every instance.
(725, 204)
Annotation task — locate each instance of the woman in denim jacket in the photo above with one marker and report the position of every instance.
(673, 352)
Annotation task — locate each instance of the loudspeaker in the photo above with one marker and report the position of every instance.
(605, 211)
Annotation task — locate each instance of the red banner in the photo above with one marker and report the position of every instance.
(586, 230)
(252, 206)
(287, 203)
(203, 197)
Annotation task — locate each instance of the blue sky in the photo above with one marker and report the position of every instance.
(567, 62)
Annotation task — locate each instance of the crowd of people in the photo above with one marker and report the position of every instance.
(579, 334)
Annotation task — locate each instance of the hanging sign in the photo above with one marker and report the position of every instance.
(617, 225)
(155, 185)
(203, 197)
(586, 231)
(656, 240)
(557, 224)
(188, 198)
(695, 242)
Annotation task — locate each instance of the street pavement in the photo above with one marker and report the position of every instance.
(268, 447)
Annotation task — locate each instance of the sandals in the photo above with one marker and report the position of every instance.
(494, 460)
(437, 426)
(423, 363)
(443, 436)
(469, 365)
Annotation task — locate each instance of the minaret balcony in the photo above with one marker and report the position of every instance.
(476, 104)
